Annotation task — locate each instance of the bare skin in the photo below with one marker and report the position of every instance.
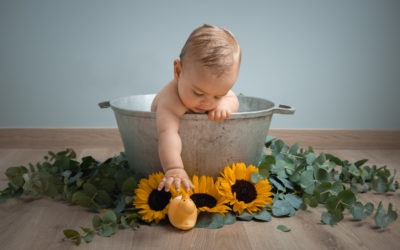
(194, 88)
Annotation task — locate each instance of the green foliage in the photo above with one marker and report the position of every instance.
(382, 219)
(210, 220)
(105, 225)
(300, 178)
(89, 183)
(214, 220)
(284, 228)
(262, 215)
(324, 179)
(360, 211)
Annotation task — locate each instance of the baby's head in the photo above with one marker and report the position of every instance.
(208, 67)
(212, 47)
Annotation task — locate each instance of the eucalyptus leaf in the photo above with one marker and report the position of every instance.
(358, 212)
(279, 168)
(369, 208)
(359, 163)
(382, 219)
(380, 185)
(311, 200)
(109, 217)
(310, 157)
(326, 218)
(89, 189)
(124, 222)
(294, 200)
(276, 184)
(294, 148)
(255, 177)
(282, 208)
(15, 175)
(334, 159)
(81, 199)
(321, 175)
(97, 222)
(343, 200)
(354, 170)
(286, 183)
(86, 229)
(229, 218)
(263, 215)
(106, 230)
(391, 213)
(283, 228)
(121, 204)
(337, 187)
(332, 217)
(245, 216)
(210, 220)
(108, 185)
(128, 186)
(269, 140)
(307, 181)
(73, 235)
(265, 164)
(89, 236)
(103, 199)
(325, 191)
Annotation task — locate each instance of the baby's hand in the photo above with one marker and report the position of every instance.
(179, 177)
(219, 114)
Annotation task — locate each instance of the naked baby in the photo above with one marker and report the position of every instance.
(204, 74)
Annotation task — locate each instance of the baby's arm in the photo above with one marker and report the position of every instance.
(227, 105)
(170, 148)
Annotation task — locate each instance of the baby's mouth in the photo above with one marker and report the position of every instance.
(199, 110)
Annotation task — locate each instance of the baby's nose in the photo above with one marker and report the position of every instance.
(208, 100)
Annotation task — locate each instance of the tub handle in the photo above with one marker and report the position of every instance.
(104, 105)
(284, 109)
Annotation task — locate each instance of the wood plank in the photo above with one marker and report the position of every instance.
(110, 137)
(59, 137)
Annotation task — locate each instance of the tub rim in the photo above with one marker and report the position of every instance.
(236, 115)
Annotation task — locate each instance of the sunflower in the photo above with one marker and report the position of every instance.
(206, 196)
(152, 204)
(244, 195)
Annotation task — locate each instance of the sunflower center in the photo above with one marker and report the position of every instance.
(158, 200)
(203, 200)
(245, 191)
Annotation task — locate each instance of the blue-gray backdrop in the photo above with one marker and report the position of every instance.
(336, 62)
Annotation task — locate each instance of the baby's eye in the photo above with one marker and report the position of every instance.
(217, 97)
(197, 93)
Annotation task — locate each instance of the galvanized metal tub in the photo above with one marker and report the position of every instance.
(207, 146)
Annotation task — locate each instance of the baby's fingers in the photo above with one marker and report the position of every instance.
(161, 185)
(165, 183)
(187, 184)
(214, 115)
(177, 183)
(219, 115)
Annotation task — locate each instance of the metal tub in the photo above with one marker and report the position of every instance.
(207, 146)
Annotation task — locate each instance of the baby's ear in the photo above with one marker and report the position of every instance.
(177, 68)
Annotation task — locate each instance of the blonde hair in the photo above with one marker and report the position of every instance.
(213, 47)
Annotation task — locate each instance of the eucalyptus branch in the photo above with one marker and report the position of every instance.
(316, 179)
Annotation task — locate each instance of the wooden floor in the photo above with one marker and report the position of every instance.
(39, 224)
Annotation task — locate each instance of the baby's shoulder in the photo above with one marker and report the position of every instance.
(168, 98)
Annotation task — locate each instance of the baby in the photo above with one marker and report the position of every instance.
(204, 74)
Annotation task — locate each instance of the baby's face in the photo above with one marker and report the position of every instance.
(201, 91)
